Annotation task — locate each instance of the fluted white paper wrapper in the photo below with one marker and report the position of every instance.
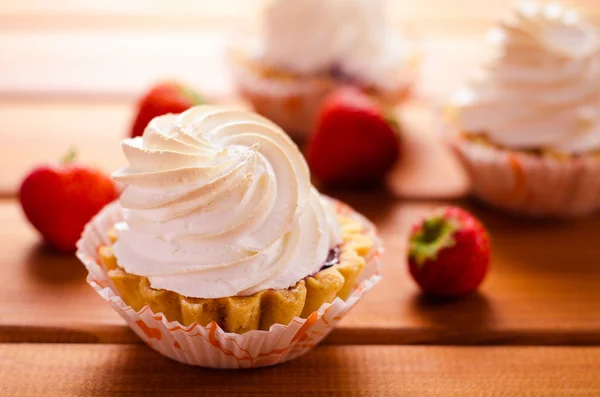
(292, 104)
(210, 346)
(539, 186)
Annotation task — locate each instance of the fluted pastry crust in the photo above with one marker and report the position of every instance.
(259, 311)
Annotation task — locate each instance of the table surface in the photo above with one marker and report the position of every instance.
(533, 329)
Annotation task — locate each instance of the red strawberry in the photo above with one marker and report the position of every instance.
(163, 98)
(355, 142)
(449, 253)
(60, 199)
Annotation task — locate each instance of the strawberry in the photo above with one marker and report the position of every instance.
(60, 199)
(449, 253)
(355, 142)
(163, 98)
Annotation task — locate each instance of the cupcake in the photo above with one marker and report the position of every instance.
(220, 234)
(527, 128)
(303, 50)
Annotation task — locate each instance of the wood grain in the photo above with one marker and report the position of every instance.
(542, 288)
(137, 62)
(42, 131)
(96, 57)
(43, 293)
(126, 370)
(110, 63)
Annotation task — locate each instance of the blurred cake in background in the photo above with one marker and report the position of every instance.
(527, 127)
(302, 50)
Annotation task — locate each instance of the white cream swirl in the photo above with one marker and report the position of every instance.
(541, 90)
(219, 203)
(312, 36)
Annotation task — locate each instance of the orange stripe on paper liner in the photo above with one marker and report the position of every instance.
(152, 333)
(310, 321)
(234, 340)
(324, 313)
(213, 340)
(97, 257)
(212, 328)
(518, 189)
(143, 310)
(209, 327)
(187, 331)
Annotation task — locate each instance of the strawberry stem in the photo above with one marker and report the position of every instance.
(390, 117)
(69, 157)
(435, 234)
(192, 95)
(432, 229)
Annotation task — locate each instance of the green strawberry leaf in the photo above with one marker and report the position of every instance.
(70, 156)
(192, 95)
(435, 234)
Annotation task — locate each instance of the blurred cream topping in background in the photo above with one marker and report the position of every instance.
(312, 36)
(541, 88)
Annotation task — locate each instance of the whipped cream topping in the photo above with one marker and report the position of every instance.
(219, 203)
(541, 89)
(312, 36)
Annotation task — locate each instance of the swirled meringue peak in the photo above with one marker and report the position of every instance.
(314, 36)
(541, 89)
(219, 203)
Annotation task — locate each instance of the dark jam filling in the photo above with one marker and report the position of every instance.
(336, 73)
(333, 258)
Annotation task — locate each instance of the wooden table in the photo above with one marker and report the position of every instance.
(533, 329)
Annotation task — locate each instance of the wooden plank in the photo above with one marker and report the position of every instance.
(110, 62)
(137, 66)
(76, 66)
(542, 287)
(37, 281)
(135, 370)
(42, 131)
(538, 292)
(46, 291)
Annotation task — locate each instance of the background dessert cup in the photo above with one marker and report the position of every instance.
(286, 69)
(532, 184)
(527, 128)
(293, 101)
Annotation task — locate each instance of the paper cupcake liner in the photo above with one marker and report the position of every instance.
(293, 103)
(210, 346)
(527, 184)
